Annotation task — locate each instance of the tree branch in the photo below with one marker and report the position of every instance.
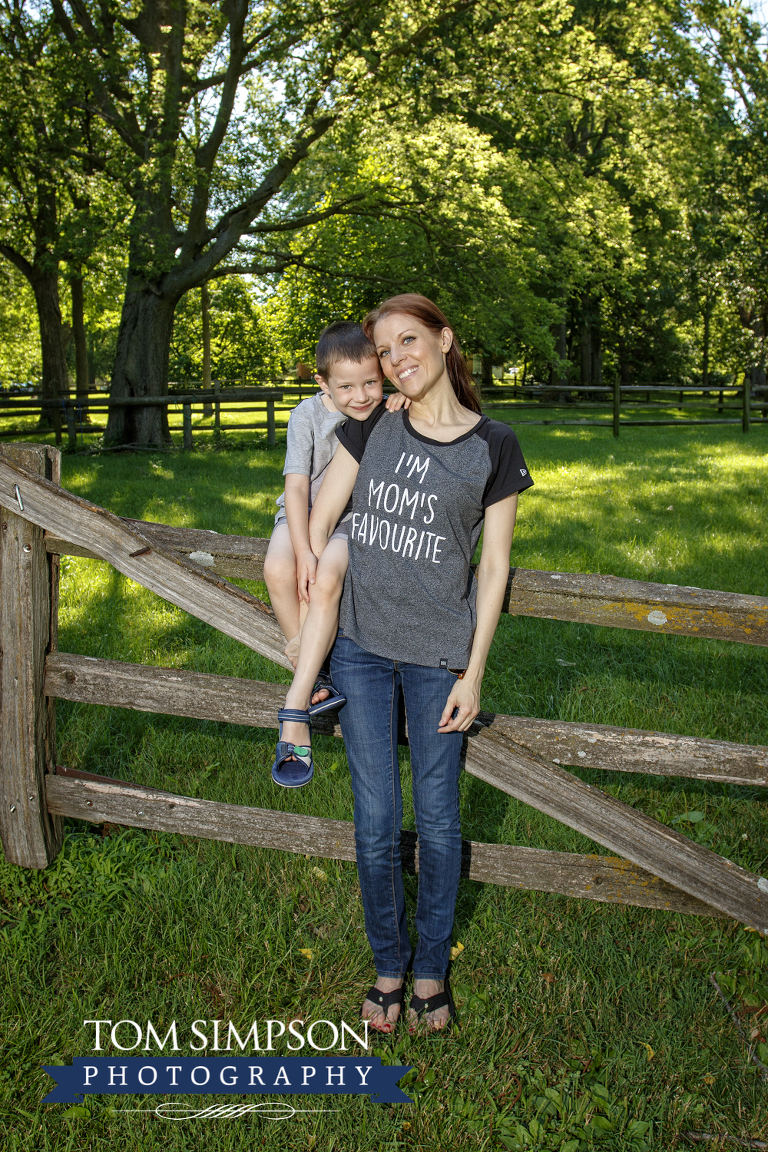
(18, 261)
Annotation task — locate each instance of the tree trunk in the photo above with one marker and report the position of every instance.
(558, 375)
(597, 348)
(705, 351)
(585, 342)
(55, 383)
(205, 304)
(624, 366)
(141, 369)
(81, 344)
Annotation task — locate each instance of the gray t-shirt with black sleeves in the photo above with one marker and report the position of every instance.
(417, 512)
(311, 444)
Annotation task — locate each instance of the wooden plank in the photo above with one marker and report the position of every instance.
(617, 603)
(631, 834)
(234, 557)
(30, 837)
(636, 750)
(171, 575)
(254, 703)
(610, 601)
(603, 878)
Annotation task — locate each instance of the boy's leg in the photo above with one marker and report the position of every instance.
(280, 578)
(293, 645)
(318, 633)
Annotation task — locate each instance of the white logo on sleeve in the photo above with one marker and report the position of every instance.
(523, 471)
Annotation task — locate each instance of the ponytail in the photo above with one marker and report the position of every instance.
(423, 310)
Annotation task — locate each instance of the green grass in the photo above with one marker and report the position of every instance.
(582, 1023)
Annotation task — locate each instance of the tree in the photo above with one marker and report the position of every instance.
(735, 44)
(30, 171)
(241, 342)
(216, 104)
(55, 208)
(536, 183)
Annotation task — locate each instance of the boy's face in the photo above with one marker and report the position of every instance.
(354, 389)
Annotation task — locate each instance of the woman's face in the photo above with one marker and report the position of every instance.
(412, 356)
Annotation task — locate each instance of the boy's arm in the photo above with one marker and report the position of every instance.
(332, 499)
(297, 515)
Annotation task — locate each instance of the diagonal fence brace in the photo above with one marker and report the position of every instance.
(632, 834)
(210, 598)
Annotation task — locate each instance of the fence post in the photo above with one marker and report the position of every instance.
(271, 423)
(69, 412)
(56, 415)
(216, 408)
(187, 423)
(29, 592)
(745, 400)
(616, 405)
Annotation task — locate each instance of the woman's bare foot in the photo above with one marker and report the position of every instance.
(436, 1020)
(378, 1019)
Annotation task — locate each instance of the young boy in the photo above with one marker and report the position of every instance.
(350, 380)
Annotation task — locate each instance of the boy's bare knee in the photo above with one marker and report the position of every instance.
(328, 585)
(278, 571)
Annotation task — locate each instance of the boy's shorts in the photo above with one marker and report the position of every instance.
(340, 532)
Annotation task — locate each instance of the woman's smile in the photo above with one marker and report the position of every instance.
(407, 373)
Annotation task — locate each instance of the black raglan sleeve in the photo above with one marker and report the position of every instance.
(509, 472)
(353, 434)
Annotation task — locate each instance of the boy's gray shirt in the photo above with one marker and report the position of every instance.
(311, 444)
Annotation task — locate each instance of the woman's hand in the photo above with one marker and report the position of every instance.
(396, 401)
(306, 566)
(464, 700)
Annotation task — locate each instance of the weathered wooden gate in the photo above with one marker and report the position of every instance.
(656, 866)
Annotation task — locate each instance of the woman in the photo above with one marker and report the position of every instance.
(423, 482)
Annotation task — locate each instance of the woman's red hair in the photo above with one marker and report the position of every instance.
(428, 314)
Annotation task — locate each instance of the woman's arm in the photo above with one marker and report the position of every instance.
(332, 499)
(492, 577)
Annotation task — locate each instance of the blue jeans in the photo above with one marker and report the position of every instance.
(369, 726)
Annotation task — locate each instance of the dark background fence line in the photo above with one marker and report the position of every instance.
(611, 407)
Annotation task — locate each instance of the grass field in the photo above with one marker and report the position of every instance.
(581, 1024)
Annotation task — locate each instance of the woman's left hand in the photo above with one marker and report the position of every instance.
(464, 700)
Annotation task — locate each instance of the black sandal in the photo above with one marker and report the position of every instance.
(385, 1000)
(421, 1004)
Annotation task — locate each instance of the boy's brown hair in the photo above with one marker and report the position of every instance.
(342, 340)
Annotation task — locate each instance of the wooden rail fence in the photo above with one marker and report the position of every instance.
(653, 866)
(71, 412)
(744, 399)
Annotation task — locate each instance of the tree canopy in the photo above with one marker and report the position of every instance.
(581, 185)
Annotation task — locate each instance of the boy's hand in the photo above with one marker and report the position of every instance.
(306, 566)
(397, 401)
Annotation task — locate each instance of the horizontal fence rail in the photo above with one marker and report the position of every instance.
(492, 754)
(254, 703)
(603, 401)
(514, 755)
(603, 878)
(75, 408)
(610, 601)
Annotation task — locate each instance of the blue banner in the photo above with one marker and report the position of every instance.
(216, 1076)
